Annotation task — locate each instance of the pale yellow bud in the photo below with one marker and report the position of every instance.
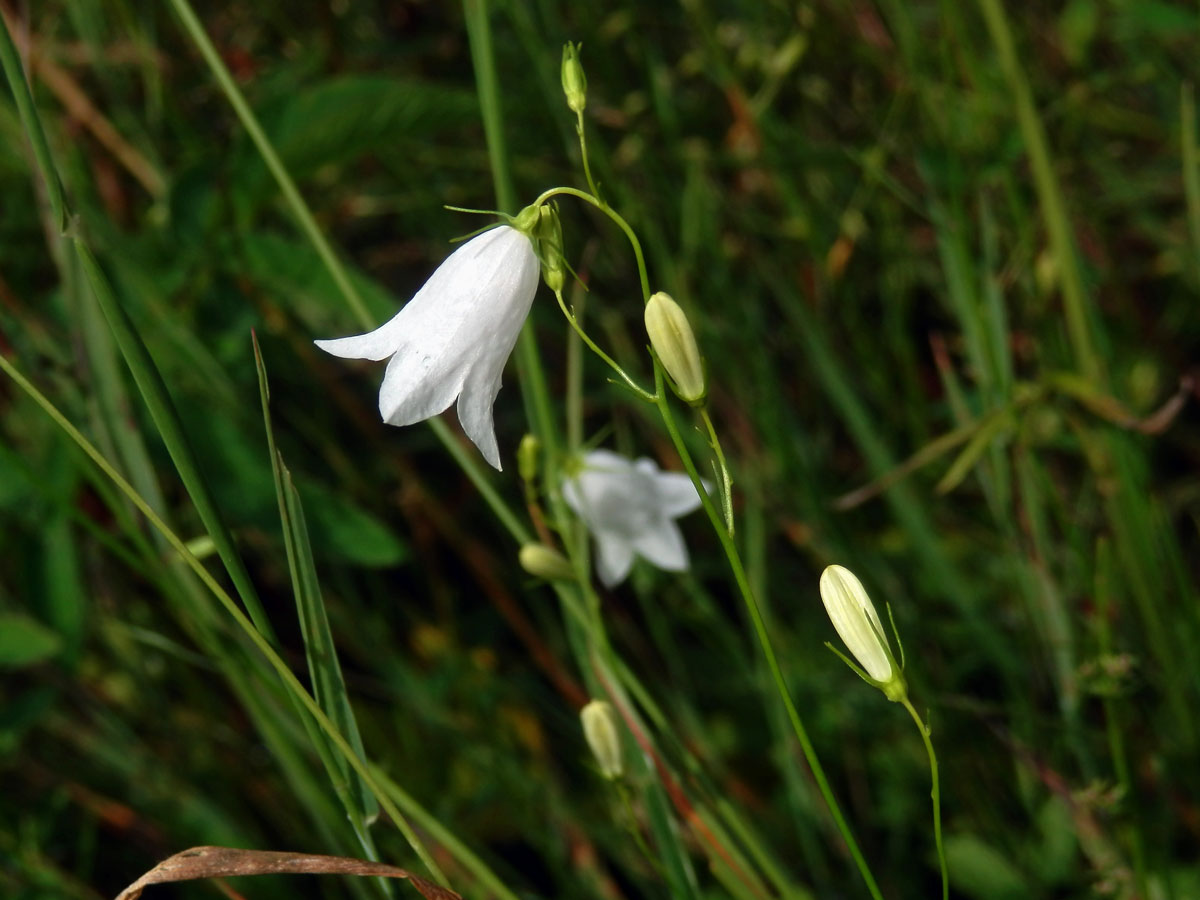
(853, 615)
(542, 562)
(601, 730)
(674, 342)
(528, 453)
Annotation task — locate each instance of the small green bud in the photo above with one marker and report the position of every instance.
(601, 730)
(853, 615)
(528, 220)
(542, 562)
(574, 82)
(673, 341)
(528, 452)
(550, 243)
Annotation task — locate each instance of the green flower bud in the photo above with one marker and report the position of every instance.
(600, 727)
(528, 452)
(528, 220)
(542, 562)
(574, 83)
(673, 341)
(550, 246)
(853, 615)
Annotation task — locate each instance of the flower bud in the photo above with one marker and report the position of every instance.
(550, 245)
(542, 562)
(601, 730)
(528, 452)
(853, 615)
(574, 83)
(673, 341)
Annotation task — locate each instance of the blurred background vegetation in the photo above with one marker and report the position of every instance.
(890, 223)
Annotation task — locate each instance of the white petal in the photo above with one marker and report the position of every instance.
(676, 494)
(416, 387)
(854, 617)
(663, 546)
(378, 344)
(488, 338)
(455, 335)
(614, 559)
(436, 311)
(475, 413)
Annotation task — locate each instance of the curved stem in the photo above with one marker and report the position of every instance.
(633, 385)
(760, 630)
(935, 794)
(616, 217)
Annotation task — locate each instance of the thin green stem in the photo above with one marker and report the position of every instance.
(617, 218)
(281, 668)
(15, 73)
(714, 441)
(739, 573)
(1054, 207)
(760, 630)
(633, 385)
(934, 793)
(587, 167)
(291, 194)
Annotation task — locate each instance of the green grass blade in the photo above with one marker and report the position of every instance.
(33, 127)
(170, 428)
(290, 192)
(1077, 304)
(288, 679)
(329, 687)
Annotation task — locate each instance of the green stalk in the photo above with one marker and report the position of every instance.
(1054, 208)
(300, 209)
(764, 640)
(731, 552)
(33, 127)
(934, 793)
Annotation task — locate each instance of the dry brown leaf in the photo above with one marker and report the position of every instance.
(223, 862)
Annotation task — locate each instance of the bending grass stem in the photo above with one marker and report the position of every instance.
(935, 794)
(760, 630)
(266, 149)
(256, 637)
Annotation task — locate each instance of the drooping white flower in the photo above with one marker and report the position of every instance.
(453, 338)
(630, 506)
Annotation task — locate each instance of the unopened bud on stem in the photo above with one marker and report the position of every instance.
(673, 341)
(600, 728)
(853, 615)
(574, 83)
(542, 562)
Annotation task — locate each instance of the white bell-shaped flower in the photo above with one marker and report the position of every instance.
(630, 507)
(453, 338)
